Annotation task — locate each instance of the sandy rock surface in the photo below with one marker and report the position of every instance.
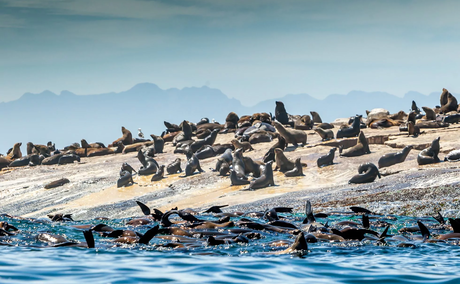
(404, 188)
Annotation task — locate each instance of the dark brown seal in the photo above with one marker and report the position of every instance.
(394, 158)
(296, 171)
(328, 159)
(158, 142)
(429, 113)
(451, 104)
(430, 154)
(283, 164)
(85, 144)
(413, 129)
(270, 155)
(325, 134)
(316, 117)
(266, 179)
(280, 113)
(174, 167)
(126, 178)
(246, 146)
(350, 131)
(159, 174)
(361, 147)
(192, 165)
(57, 183)
(231, 121)
(367, 172)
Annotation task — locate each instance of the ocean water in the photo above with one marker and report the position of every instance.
(25, 259)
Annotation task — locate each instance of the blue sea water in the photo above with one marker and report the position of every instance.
(352, 262)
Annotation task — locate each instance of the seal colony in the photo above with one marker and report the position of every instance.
(234, 166)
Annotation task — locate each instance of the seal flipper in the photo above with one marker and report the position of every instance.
(424, 230)
(310, 217)
(89, 238)
(145, 239)
(145, 209)
(358, 209)
(438, 217)
(365, 221)
(455, 225)
(300, 244)
(215, 209)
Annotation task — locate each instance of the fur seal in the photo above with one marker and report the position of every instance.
(238, 164)
(297, 171)
(192, 165)
(303, 123)
(325, 125)
(246, 146)
(126, 138)
(251, 167)
(134, 147)
(203, 121)
(205, 152)
(429, 113)
(413, 129)
(53, 160)
(414, 108)
(316, 117)
(105, 151)
(159, 174)
(292, 136)
(350, 131)
(222, 166)
(125, 179)
(68, 159)
(31, 160)
(235, 180)
(451, 104)
(394, 158)
(270, 155)
(453, 118)
(266, 179)
(453, 156)
(283, 164)
(261, 136)
(158, 142)
(15, 153)
(202, 133)
(4, 163)
(326, 160)
(325, 134)
(185, 134)
(174, 167)
(367, 172)
(361, 147)
(85, 144)
(430, 154)
(280, 113)
(231, 121)
(149, 165)
(57, 183)
(209, 140)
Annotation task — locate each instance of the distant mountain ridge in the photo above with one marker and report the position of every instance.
(67, 117)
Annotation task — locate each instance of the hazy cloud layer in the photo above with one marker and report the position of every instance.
(251, 50)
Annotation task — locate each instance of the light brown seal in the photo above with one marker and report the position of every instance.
(430, 154)
(429, 113)
(292, 136)
(325, 134)
(246, 146)
(126, 138)
(361, 147)
(296, 171)
(15, 152)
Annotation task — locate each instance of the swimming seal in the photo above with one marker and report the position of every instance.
(159, 174)
(316, 117)
(297, 171)
(283, 164)
(350, 131)
(192, 165)
(126, 138)
(430, 154)
(125, 179)
(174, 167)
(325, 134)
(292, 136)
(266, 179)
(326, 160)
(280, 113)
(367, 172)
(361, 147)
(394, 158)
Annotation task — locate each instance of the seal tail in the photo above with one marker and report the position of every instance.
(365, 221)
(309, 212)
(424, 230)
(145, 239)
(438, 217)
(89, 238)
(145, 209)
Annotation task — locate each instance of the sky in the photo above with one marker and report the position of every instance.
(250, 50)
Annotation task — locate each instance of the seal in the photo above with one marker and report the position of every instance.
(283, 164)
(185, 134)
(57, 183)
(238, 164)
(206, 141)
(328, 159)
(453, 156)
(202, 133)
(158, 142)
(367, 172)
(149, 165)
(126, 178)
(453, 118)
(53, 160)
(297, 171)
(15, 153)
(244, 121)
(292, 136)
(251, 167)
(159, 174)
(222, 166)
(325, 125)
(205, 152)
(413, 129)
(68, 159)
(136, 147)
(203, 121)
(325, 134)
(303, 123)
(350, 131)
(361, 147)
(280, 113)
(4, 162)
(414, 108)
(430, 154)
(231, 121)
(235, 180)
(192, 164)
(316, 117)
(266, 179)
(429, 113)
(104, 151)
(246, 146)
(31, 160)
(171, 127)
(174, 167)
(126, 138)
(394, 158)
(261, 136)
(451, 104)
(85, 144)
(270, 155)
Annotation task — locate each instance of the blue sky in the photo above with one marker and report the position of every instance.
(251, 50)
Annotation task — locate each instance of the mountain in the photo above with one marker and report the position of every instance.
(67, 117)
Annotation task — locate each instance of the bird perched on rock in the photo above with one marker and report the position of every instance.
(141, 135)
